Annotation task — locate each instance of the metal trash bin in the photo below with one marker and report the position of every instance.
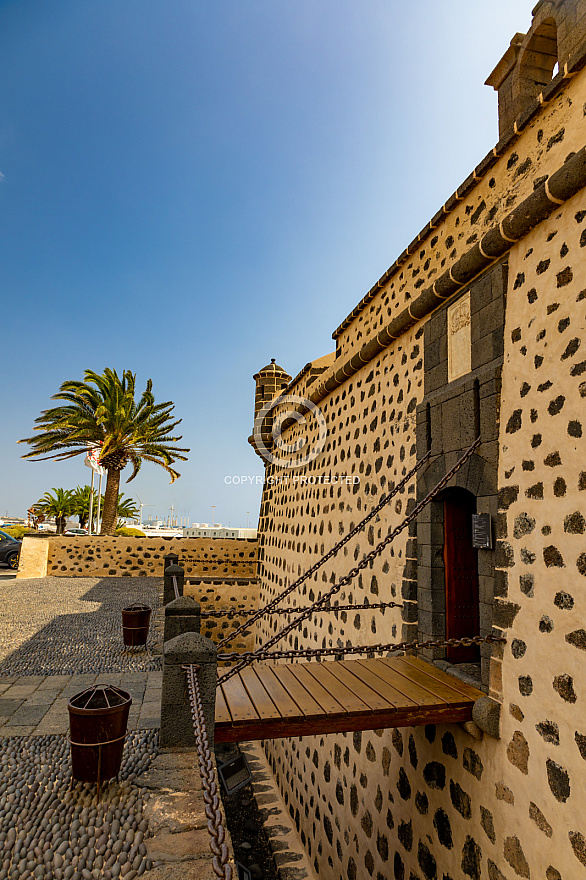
(98, 719)
(135, 624)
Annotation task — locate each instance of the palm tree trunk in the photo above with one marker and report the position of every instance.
(109, 512)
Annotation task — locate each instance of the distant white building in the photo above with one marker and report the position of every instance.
(204, 530)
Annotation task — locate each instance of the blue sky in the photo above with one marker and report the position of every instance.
(192, 188)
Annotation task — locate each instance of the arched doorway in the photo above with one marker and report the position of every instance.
(460, 574)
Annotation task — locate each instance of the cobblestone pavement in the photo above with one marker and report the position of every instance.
(73, 626)
(49, 831)
(58, 636)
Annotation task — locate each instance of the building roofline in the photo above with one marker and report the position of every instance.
(551, 90)
(560, 186)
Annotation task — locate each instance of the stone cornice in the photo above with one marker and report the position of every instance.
(549, 195)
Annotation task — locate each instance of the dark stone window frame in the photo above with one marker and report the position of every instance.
(478, 478)
(449, 418)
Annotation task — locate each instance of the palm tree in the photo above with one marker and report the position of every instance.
(60, 505)
(101, 413)
(127, 507)
(81, 500)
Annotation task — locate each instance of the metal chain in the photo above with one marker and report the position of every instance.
(364, 562)
(211, 796)
(231, 612)
(198, 558)
(335, 549)
(250, 656)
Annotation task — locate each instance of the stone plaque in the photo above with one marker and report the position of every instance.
(459, 341)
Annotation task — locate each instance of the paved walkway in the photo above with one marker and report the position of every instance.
(58, 636)
(34, 704)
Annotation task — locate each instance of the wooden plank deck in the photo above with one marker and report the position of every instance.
(297, 699)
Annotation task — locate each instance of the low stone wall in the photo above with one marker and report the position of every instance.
(34, 555)
(214, 594)
(144, 557)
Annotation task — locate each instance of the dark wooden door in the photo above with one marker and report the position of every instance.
(461, 577)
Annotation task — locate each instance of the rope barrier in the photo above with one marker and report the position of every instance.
(364, 562)
(211, 796)
(335, 549)
(251, 656)
(176, 586)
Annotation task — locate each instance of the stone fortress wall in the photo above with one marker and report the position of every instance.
(144, 557)
(219, 573)
(443, 802)
(215, 594)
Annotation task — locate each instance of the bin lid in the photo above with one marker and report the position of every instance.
(100, 696)
(138, 606)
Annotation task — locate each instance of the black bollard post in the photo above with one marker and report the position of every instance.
(176, 720)
(168, 588)
(170, 559)
(181, 615)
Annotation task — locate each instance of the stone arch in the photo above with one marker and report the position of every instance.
(557, 30)
(537, 61)
(477, 475)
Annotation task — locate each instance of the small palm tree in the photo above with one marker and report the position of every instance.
(81, 500)
(127, 508)
(101, 413)
(60, 505)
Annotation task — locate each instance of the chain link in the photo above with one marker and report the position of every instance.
(364, 562)
(211, 796)
(231, 612)
(331, 553)
(250, 656)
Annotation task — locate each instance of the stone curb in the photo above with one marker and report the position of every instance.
(180, 843)
(290, 857)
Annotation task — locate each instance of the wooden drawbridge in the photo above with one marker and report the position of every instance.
(298, 699)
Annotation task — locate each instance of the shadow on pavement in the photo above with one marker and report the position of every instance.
(79, 642)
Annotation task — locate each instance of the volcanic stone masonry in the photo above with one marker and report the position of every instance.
(219, 574)
(478, 329)
(144, 557)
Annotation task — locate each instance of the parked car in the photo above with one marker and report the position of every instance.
(76, 532)
(9, 549)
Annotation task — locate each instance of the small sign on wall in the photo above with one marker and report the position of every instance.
(481, 531)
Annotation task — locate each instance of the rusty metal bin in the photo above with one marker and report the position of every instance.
(98, 718)
(135, 624)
